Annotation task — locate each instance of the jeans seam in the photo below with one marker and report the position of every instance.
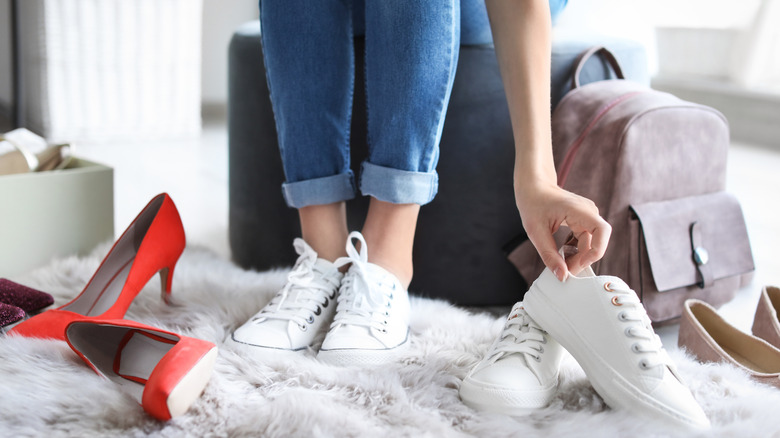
(268, 83)
(369, 142)
(347, 148)
(430, 187)
(447, 88)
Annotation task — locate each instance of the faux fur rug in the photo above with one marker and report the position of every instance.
(46, 389)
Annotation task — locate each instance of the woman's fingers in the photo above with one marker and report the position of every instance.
(545, 245)
(591, 243)
(543, 209)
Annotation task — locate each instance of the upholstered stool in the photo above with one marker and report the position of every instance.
(461, 234)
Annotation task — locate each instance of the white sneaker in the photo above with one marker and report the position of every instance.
(519, 373)
(304, 307)
(601, 322)
(371, 326)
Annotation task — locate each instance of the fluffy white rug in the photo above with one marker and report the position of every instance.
(45, 389)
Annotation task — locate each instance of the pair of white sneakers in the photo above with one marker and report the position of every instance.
(366, 310)
(602, 323)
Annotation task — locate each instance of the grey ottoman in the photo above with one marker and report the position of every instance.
(462, 235)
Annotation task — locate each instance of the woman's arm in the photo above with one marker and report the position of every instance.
(521, 34)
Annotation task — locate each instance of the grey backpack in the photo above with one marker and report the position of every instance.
(655, 166)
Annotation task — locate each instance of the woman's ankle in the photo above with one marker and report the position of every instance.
(389, 233)
(324, 228)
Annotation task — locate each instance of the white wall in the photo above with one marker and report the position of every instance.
(629, 19)
(637, 19)
(220, 19)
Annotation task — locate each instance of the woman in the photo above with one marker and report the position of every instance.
(410, 60)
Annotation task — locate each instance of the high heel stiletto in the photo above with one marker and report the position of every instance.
(163, 371)
(152, 243)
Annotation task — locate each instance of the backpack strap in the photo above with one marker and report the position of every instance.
(583, 58)
(700, 257)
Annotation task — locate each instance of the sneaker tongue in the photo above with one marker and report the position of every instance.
(322, 266)
(587, 272)
(517, 308)
(378, 270)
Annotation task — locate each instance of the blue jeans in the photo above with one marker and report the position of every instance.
(411, 54)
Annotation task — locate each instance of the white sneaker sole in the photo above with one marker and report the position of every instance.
(616, 391)
(502, 400)
(261, 352)
(362, 357)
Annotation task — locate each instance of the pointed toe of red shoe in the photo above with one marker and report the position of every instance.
(47, 325)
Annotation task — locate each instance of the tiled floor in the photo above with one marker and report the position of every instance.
(195, 173)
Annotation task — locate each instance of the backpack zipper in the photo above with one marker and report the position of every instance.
(568, 160)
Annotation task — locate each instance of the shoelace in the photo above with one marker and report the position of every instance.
(648, 343)
(359, 303)
(303, 296)
(521, 335)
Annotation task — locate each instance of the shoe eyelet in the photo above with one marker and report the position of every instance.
(544, 340)
(622, 316)
(383, 330)
(541, 350)
(635, 348)
(318, 311)
(643, 365)
(607, 287)
(384, 322)
(310, 319)
(538, 358)
(615, 301)
(332, 295)
(388, 305)
(325, 304)
(391, 295)
(628, 333)
(302, 327)
(387, 313)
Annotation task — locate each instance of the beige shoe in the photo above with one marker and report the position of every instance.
(23, 151)
(765, 324)
(708, 337)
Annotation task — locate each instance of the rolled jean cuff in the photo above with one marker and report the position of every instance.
(318, 191)
(398, 186)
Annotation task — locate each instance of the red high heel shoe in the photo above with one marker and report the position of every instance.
(163, 371)
(152, 243)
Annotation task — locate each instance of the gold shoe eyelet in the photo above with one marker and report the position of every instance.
(607, 285)
(615, 301)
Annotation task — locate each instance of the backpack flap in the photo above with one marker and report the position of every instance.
(693, 242)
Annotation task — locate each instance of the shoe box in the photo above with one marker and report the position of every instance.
(51, 214)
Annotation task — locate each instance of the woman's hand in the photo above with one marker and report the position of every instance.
(544, 207)
(521, 35)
